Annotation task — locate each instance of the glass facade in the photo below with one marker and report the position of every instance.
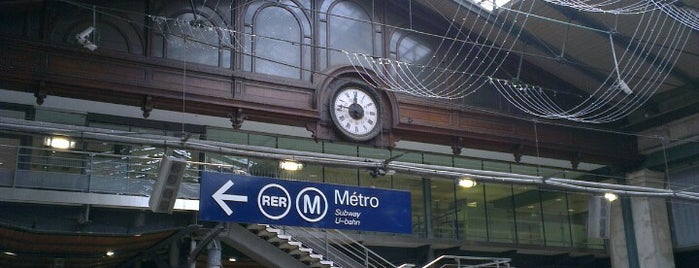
(441, 208)
(486, 212)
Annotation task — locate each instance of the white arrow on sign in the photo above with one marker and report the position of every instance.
(220, 196)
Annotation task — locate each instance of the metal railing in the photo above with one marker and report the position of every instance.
(468, 262)
(337, 247)
(71, 170)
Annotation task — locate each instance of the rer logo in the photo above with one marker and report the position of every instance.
(311, 204)
(274, 201)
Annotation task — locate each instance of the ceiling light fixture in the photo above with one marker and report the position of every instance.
(9, 253)
(231, 259)
(467, 182)
(290, 165)
(110, 253)
(611, 197)
(58, 142)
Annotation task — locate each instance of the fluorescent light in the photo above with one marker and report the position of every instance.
(58, 142)
(611, 197)
(110, 253)
(231, 259)
(467, 182)
(290, 165)
(9, 253)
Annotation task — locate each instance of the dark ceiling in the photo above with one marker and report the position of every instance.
(571, 48)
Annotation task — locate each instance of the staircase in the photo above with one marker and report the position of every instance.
(321, 248)
(291, 246)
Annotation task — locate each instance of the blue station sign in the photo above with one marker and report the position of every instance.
(249, 199)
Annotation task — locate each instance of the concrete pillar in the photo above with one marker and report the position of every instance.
(213, 254)
(651, 227)
(174, 255)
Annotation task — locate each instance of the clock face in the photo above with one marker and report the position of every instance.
(356, 113)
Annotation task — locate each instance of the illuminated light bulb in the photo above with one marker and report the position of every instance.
(610, 197)
(57, 142)
(467, 182)
(290, 165)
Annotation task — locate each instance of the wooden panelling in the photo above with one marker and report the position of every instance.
(420, 116)
(192, 83)
(215, 91)
(94, 70)
(19, 60)
(480, 124)
(278, 96)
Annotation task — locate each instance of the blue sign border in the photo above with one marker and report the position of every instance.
(251, 199)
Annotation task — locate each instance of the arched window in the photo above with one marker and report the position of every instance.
(196, 39)
(110, 32)
(350, 29)
(277, 38)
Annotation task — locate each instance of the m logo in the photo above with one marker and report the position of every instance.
(311, 204)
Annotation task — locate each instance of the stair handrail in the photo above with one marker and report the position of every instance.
(337, 247)
(493, 261)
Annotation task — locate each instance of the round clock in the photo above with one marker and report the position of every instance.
(355, 112)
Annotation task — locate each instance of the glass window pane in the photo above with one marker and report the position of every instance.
(60, 117)
(309, 172)
(412, 157)
(374, 153)
(341, 149)
(500, 214)
(227, 163)
(345, 176)
(525, 169)
(443, 208)
(349, 30)
(468, 163)
(226, 135)
(471, 213)
(496, 166)
(441, 160)
(366, 180)
(300, 144)
(413, 184)
(264, 167)
(280, 26)
(528, 215)
(556, 218)
(262, 140)
(188, 41)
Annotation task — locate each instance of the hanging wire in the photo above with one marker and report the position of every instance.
(474, 46)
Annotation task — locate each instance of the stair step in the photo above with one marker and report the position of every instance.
(289, 245)
(323, 264)
(279, 239)
(256, 227)
(312, 257)
(269, 233)
(300, 250)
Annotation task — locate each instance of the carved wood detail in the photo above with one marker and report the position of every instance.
(237, 117)
(147, 105)
(41, 92)
(268, 100)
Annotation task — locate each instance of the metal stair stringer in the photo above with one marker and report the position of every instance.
(291, 246)
(257, 248)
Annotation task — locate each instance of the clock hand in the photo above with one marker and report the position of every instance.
(355, 97)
